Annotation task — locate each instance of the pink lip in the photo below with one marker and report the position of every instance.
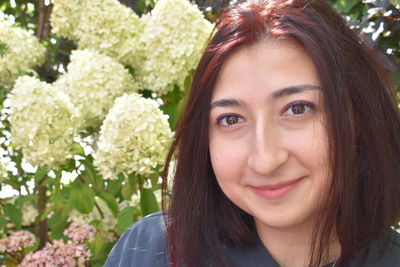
(277, 190)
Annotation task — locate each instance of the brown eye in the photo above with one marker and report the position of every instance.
(298, 109)
(232, 120)
(229, 120)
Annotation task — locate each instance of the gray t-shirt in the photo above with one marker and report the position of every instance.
(144, 245)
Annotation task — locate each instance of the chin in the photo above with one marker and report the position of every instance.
(284, 221)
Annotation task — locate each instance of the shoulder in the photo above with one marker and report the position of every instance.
(142, 244)
(384, 251)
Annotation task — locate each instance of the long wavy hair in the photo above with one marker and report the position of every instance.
(362, 123)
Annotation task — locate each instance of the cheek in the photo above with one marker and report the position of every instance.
(227, 159)
(310, 145)
(228, 163)
(312, 152)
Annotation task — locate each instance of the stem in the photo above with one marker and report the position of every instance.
(43, 32)
(18, 256)
(42, 200)
(27, 189)
(98, 208)
(41, 19)
(23, 15)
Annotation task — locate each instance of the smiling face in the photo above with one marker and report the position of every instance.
(268, 143)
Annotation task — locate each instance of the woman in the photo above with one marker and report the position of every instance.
(287, 151)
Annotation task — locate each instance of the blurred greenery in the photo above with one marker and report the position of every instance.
(378, 23)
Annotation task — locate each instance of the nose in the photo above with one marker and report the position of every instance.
(268, 152)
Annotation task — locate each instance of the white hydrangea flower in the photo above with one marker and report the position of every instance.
(21, 52)
(133, 202)
(108, 220)
(103, 25)
(124, 203)
(65, 17)
(29, 213)
(93, 81)
(134, 137)
(43, 122)
(173, 38)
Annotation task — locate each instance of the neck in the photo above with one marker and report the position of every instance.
(292, 247)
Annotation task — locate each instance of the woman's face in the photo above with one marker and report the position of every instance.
(268, 142)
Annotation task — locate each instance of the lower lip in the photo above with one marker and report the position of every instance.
(278, 192)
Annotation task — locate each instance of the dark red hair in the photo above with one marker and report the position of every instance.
(362, 122)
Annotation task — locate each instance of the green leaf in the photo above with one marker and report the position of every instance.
(57, 199)
(3, 222)
(82, 197)
(40, 173)
(171, 101)
(132, 180)
(142, 6)
(12, 183)
(100, 248)
(171, 111)
(57, 223)
(148, 201)
(125, 219)
(87, 178)
(54, 220)
(3, 49)
(154, 177)
(78, 149)
(188, 81)
(111, 202)
(14, 214)
(21, 199)
(152, 3)
(114, 187)
(344, 6)
(94, 178)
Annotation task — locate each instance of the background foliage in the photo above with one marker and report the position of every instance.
(44, 200)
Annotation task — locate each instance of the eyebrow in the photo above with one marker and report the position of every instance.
(275, 95)
(227, 103)
(291, 90)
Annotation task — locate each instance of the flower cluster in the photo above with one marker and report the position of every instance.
(43, 122)
(65, 17)
(173, 38)
(29, 213)
(19, 52)
(16, 241)
(93, 81)
(134, 137)
(106, 218)
(58, 254)
(103, 25)
(80, 232)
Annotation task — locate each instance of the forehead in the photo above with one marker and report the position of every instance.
(264, 68)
